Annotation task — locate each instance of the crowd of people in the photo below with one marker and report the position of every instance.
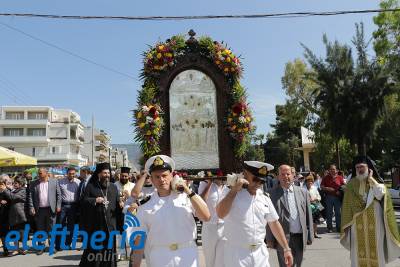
(240, 219)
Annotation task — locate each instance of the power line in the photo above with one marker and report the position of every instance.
(68, 52)
(202, 17)
(15, 88)
(13, 97)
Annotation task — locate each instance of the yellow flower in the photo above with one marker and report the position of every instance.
(161, 47)
(233, 127)
(246, 130)
(232, 69)
(226, 69)
(228, 59)
(149, 55)
(229, 120)
(139, 115)
(148, 132)
(157, 119)
(239, 130)
(142, 125)
(217, 62)
(168, 54)
(227, 51)
(159, 55)
(248, 119)
(156, 67)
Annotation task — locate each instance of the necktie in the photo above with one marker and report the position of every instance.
(292, 204)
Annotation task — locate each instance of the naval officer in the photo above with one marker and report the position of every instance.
(246, 213)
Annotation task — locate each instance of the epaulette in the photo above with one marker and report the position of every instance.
(144, 200)
(266, 194)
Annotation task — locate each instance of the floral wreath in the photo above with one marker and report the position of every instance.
(148, 117)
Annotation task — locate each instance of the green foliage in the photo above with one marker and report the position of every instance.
(238, 92)
(206, 42)
(387, 36)
(255, 149)
(148, 92)
(350, 95)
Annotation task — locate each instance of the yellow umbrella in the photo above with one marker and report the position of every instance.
(9, 158)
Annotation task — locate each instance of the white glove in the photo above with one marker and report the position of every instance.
(231, 179)
(177, 183)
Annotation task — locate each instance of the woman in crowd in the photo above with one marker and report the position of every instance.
(315, 199)
(16, 216)
(4, 209)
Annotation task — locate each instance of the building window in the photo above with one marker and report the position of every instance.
(53, 150)
(37, 115)
(37, 132)
(13, 131)
(33, 151)
(14, 115)
(10, 148)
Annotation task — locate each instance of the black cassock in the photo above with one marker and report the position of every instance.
(99, 217)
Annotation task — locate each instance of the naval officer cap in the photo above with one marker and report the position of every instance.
(159, 162)
(258, 168)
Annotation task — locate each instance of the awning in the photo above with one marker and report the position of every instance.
(9, 158)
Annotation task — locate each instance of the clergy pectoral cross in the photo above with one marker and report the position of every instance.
(106, 202)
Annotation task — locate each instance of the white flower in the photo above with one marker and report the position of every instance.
(149, 119)
(145, 109)
(242, 119)
(201, 174)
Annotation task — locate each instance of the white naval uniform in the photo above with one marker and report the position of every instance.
(245, 228)
(211, 232)
(171, 231)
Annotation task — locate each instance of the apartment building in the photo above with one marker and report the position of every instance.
(53, 136)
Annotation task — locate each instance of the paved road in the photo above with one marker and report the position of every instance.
(325, 252)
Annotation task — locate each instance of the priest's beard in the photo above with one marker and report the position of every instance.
(104, 181)
(362, 177)
(123, 181)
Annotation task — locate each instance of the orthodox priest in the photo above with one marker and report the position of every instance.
(369, 228)
(100, 205)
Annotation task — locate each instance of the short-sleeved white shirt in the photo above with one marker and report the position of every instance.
(167, 220)
(215, 195)
(248, 217)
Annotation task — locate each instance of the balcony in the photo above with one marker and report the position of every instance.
(24, 139)
(42, 122)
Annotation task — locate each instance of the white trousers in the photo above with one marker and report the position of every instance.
(237, 256)
(212, 243)
(164, 257)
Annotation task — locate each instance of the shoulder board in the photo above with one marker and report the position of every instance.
(144, 200)
(266, 194)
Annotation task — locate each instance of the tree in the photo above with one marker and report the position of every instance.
(387, 37)
(282, 143)
(350, 94)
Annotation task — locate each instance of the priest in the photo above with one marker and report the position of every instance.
(368, 226)
(100, 205)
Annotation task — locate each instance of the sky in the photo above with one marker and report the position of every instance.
(33, 73)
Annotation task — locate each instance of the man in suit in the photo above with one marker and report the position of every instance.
(292, 204)
(44, 201)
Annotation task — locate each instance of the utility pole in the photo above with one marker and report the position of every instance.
(92, 140)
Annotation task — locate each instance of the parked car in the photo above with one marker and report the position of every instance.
(395, 194)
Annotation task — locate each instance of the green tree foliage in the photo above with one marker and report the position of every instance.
(351, 94)
(387, 37)
(281, 146)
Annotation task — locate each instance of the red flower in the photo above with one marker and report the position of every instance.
(220, 173)
(238, 108)
(152, 111)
